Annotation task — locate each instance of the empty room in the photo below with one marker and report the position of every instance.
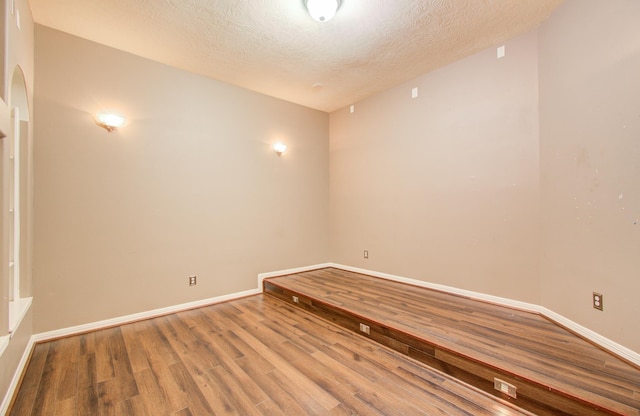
(327, 207)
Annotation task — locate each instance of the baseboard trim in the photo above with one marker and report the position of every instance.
(17, 376)
(93, 326)
(263, 276)
(599, 340)
(449, 289)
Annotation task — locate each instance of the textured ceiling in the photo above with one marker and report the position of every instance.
(274, 47)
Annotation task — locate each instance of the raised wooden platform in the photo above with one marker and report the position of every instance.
(554, 371)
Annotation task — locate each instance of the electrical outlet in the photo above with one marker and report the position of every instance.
(192, 280)
(598, 301)
(504, 387)
(295, 299)
(366, 254)
(365, 328)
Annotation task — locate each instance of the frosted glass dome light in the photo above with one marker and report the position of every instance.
(322, 10)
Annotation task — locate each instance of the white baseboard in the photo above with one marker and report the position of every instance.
(449, 289)
(17, 375)
(578, 329)
(601, 341)
(263, 276)
(93, 326)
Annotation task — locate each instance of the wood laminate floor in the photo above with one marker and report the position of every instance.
(473, 340)
(253, 356)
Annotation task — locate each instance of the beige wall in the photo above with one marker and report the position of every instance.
(469, 186)
(590, 164)
(189, 186)
(444, 187)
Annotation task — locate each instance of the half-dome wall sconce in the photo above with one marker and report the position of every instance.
(110, 121)
(279, 148)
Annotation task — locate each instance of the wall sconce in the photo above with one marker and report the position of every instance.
(322, 10)
(110, 121)
(279, 148)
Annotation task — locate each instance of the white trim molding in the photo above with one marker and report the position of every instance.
(603, 342)
(5, 116)
(263, 276)
(530, 307)
(4, 343)
(17, 311)
(17, 376)
(93, 326)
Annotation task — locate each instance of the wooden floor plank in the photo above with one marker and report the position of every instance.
(239, 399)
(137, 355)
(31, 380)
(45, 400)
(196, 400)
(282, 399)
(285, 372)
(269, 408)
(104, 364)
(174, 395)
(151, 395)
(228, 362)
(88, 402)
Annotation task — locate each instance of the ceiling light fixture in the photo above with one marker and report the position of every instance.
(110, 121)
(322, 10)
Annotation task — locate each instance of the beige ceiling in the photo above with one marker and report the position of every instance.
(274, 47)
